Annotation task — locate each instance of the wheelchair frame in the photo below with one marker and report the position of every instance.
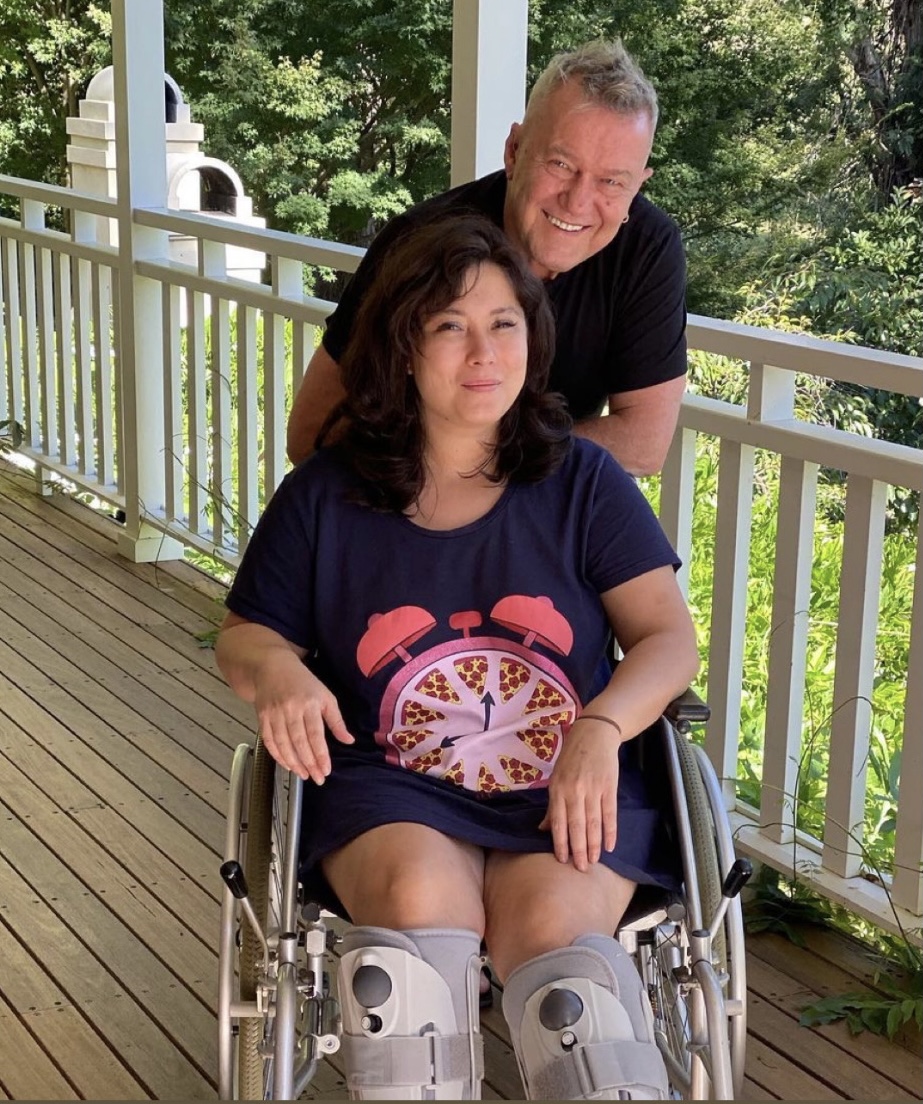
(277, 1017)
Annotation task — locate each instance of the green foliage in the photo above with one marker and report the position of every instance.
(722, 378)
(784, 907)
(49, 50)
(787, 906)
(864, 286)
(335, 114)
(11, 436)
(881, 1015)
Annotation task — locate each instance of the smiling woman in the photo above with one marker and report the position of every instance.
(455, 564)
(471, 364)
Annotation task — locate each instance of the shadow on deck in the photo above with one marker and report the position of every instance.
(116, 735)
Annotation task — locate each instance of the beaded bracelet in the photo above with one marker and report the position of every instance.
(600, 717)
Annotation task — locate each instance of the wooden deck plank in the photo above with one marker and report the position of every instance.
(862, 966)
(93, 1070)
(750, 1090)
(181, 658)
(792, 977)
(824, 1060)
(89, 555)
(181, 1011)
(89, 981)
(188, 953)
(98, 530)
(193, 724)
(109, 763)
(135, 830)
(772, 1074)
(193, 701)
(26, 1069)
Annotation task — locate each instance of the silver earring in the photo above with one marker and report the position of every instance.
(624, 220)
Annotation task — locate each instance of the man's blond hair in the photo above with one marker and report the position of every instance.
(609, 75)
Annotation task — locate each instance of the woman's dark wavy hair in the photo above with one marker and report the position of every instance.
(379, 425)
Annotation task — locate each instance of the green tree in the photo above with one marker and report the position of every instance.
(49, 50)
(750, 147)
(877, 46)
(336, 114)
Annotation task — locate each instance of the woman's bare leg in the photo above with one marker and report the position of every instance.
(409, 876)
(578, 1012)
(535, 904)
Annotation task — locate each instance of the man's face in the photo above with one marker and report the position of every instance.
(573, 169)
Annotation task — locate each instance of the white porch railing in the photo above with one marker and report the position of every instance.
(232, 354)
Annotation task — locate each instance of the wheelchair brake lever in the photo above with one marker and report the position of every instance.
(737, 878)
(232, 874)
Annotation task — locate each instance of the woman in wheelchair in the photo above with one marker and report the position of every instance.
(422, 620)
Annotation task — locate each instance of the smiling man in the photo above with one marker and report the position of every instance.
(612, 262)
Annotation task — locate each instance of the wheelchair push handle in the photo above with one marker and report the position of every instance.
(232, 874)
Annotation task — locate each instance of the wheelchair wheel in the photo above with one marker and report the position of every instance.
(257, 863)
(702, 876)
(699, 1006)
(276, 1015)
(734, 961)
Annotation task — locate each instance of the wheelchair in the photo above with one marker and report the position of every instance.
(278, 1016)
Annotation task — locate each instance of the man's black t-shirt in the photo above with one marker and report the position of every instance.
(620, 314)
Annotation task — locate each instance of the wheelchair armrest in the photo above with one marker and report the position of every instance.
(686, 710)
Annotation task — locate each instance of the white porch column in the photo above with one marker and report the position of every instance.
(141, 175)
(488, 82)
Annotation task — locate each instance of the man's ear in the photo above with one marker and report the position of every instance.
(646, 175)
(511, 148)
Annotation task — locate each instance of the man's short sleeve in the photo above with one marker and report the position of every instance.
(648, 342)
(621, 314)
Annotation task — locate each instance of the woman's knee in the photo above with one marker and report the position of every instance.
(421, 881)
(535, 906)
(413, 897)
(513, 941)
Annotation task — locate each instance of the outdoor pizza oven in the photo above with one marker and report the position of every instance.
(195, 181)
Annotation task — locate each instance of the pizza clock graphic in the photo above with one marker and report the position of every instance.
(484, 712)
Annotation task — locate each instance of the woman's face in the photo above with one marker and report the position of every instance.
(471, 364)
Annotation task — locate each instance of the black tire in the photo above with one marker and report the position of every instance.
(256, 863)
(703, 874)
(704, 846)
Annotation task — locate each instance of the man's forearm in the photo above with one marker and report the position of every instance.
(639, 426)
(635, 450)
(319, 393)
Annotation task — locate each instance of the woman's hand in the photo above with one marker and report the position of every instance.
(292, 706)
(582, 794)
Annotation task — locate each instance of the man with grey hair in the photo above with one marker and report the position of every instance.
(612, 262)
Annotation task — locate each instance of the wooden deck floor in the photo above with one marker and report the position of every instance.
(115, 741)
